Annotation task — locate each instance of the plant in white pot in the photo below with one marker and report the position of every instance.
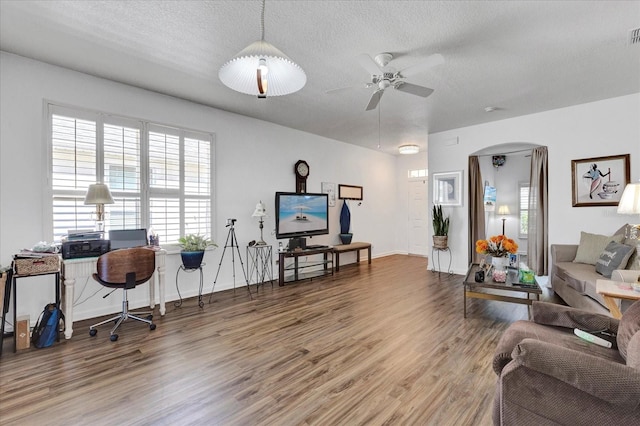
(440, 228)
(193, 247)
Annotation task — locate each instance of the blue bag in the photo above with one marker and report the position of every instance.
(46, 329)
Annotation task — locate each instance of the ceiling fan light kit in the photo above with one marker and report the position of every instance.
(261, 69)
(409, 149)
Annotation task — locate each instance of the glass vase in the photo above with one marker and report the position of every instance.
(499, 270)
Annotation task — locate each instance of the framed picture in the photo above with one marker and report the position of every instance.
(447, 188)
(513, 260)
(489, 198)
(599, 181)
(330, 189)
(349, 192)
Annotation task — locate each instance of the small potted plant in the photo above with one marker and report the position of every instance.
(440, 228)
(193, 247)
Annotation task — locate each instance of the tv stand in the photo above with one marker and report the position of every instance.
(325, 263)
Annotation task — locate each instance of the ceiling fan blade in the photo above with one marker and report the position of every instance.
(348, 88)
(369, 64)
(413, 89)
(430, 62)
(375, 99)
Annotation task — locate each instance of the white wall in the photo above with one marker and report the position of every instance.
(253, 160)
(608, 127)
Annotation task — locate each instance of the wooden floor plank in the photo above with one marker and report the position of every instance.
(377, 344)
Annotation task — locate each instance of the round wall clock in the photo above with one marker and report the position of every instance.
(301, 170)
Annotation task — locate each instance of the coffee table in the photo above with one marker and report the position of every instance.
(611, 290)
(511, 288)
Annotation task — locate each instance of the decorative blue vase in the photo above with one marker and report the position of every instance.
(192, 259)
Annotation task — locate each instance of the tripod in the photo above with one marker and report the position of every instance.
(231, 236)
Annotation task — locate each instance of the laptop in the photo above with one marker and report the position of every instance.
(127, 238)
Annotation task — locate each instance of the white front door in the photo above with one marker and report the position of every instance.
(418, 217)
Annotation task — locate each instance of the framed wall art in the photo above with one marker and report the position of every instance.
(330, 189)
(349, 192)
(447, 188)
(599, 181)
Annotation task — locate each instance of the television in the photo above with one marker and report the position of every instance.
(301, 215)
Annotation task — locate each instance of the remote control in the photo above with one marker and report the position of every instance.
(591, 338)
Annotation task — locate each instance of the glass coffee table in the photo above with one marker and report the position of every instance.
(508, 291)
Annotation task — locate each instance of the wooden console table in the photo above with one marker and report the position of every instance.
(325, 262)
(344, 248)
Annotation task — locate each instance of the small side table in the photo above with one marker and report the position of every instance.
(611, 290)
(189, 270)
(260, 264)
(438, 250)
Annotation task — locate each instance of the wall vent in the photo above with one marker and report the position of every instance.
(634, 36)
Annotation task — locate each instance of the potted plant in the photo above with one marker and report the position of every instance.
(193, 247)
(345, 224)
(440, 228)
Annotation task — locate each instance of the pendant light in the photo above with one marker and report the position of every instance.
(262, 70)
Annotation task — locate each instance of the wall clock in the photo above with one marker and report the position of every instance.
(301, 170)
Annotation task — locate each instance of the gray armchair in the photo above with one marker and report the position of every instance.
(549, 376)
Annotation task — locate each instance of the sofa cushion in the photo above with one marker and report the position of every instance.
(591, 245)
(629, 325)
(576, 275)
(614, 256)
(633, 260)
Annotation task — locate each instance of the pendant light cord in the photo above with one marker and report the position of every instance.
(379, 108)
(262, 20)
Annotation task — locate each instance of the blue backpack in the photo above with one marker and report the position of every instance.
(46, 329)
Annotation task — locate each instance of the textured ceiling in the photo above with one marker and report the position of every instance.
(519, 56)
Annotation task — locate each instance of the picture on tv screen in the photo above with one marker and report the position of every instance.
(298, 215)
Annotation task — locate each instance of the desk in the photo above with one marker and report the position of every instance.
(611, 290)
(73, 269)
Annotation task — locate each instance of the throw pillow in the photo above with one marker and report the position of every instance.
(614, 256)
(591, 245)
(629, 325)
(633, 263)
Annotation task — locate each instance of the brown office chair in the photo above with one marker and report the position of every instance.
(125, 269)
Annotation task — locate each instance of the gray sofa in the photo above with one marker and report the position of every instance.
(575, 283)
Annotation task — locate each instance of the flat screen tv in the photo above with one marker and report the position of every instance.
(301, 215)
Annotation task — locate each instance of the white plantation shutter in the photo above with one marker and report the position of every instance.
(523, 191)
(160, 177)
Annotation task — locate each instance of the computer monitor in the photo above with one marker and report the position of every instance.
(127, 238)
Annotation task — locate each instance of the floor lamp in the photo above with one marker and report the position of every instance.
(503, 211)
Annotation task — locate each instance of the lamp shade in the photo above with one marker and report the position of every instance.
(409, 149)
(260, 210)
(98, 193)
(503, 210)
(630, 201)
(261, 69)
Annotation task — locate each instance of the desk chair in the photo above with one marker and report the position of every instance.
(125, 269)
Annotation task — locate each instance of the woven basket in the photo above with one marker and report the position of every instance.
(440, 241)
(36, 265)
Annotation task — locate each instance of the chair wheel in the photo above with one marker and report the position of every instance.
(152, 326)
(113, 337)
(93, 332)
(149, 317)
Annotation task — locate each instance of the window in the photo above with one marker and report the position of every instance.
(160, 177)
(523, 210)
(417, 173)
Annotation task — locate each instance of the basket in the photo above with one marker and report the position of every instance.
(440, 242)
(36, 265)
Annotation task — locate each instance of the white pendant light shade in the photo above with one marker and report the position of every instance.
(409, 149)
(283, 76)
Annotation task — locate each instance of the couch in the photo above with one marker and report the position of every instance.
(574, 270)
(549, 376)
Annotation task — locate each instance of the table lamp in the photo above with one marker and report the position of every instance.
(98, 194)
(260, 212)
(503, 211)
(630, 204)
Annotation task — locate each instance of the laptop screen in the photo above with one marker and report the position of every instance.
(127, 238)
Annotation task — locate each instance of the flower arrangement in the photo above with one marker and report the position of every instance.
(497, 246)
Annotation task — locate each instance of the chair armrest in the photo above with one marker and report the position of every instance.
(563, 252)
(625, 275)
(609, 381)
(565, 316)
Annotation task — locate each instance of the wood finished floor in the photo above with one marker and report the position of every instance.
(377, 344)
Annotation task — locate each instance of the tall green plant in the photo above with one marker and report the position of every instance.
(194, 242)
(440, 223)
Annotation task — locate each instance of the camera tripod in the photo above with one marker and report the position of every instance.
(231, 238)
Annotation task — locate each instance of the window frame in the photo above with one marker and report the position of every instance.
(101, 118)
(523, 184)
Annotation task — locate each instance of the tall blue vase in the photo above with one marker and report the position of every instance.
(345, 224)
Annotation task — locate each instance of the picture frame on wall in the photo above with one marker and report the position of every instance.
(599, 181)
(447, 188)
(330, 189)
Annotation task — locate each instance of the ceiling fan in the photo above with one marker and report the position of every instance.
(384, 76)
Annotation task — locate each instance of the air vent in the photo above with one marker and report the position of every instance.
(634, 36)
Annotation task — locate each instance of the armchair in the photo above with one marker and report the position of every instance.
(548, 376)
